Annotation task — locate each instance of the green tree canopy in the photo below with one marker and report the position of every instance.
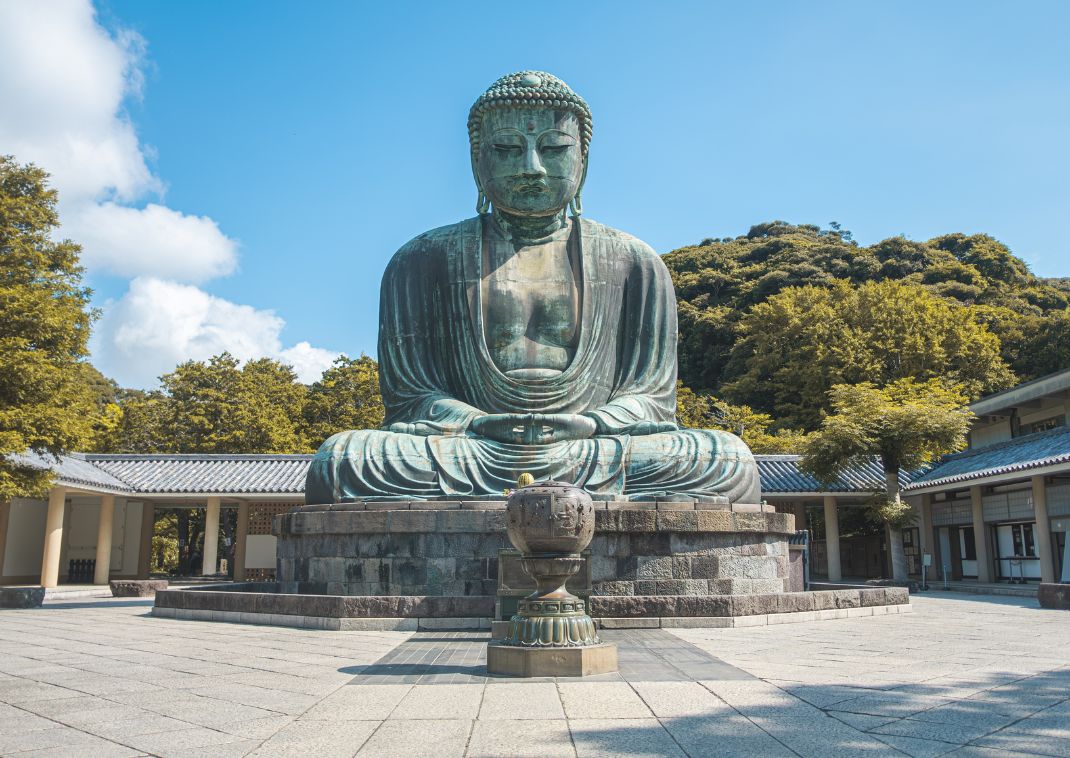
(906, 424)
(801, 342)
(222, 406)
(718, 280)
(45, 405)
(698, 411)
(345, 397)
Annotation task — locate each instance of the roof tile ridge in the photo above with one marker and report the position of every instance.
(267, 457)
(1012, 442)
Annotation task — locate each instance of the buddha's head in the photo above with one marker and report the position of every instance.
(530, 134)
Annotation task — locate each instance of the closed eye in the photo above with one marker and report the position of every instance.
(554, 149)
(507, 148)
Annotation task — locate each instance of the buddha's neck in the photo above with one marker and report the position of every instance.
(529, 229)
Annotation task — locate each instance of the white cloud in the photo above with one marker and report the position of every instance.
(158, 324)
(63, 82)
(309, 362)
(113, 237)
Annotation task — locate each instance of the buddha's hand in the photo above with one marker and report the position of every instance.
(643, 428)
(533, 428)
(421, 428)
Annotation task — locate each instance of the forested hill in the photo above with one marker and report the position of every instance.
(782, 355)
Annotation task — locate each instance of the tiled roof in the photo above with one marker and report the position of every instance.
(217, 474)
(285, 474)
(73, 469)
(780, 474)
(1019, 454)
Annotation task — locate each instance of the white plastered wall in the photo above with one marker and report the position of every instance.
(81, 521)
(25, 537)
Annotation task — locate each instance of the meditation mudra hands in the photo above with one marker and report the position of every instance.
(533, 428)
(546, 428)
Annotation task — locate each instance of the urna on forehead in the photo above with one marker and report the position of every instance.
(530, 89)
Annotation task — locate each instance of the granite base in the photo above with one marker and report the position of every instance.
(452, 548)
(588, 660)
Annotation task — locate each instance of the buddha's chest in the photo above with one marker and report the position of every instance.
(531, 304)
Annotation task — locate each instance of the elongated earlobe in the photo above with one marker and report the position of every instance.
(575, 205)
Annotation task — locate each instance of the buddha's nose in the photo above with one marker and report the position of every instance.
(532, 163)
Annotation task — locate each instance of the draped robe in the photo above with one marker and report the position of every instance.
(436, 375)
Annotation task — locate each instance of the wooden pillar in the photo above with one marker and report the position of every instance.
(210, 554)
(5, 518)
(832, 539)
(800, 515)
(104, 530)
(980, 536)
(53, 537)
(148, 527)
(925, 530)
(240, 540)
(1042, 531)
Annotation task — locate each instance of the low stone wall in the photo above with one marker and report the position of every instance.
(136, 587)
(1056, 596)
(236, 599)
(745, 605)
(22, 597)
(236, 603)
(451, 548)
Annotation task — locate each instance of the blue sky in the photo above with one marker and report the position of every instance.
(320, 136)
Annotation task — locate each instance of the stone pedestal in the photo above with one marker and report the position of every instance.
(451, 548)
(588, 660)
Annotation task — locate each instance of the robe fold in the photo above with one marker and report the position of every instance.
(436, 375)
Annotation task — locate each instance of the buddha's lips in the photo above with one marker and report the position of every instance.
(532, 188)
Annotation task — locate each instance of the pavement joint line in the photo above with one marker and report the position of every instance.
(752, 721)
(109, 739)
(1017, 721)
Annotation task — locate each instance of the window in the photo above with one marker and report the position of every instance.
(969, 547)
(1044, 424)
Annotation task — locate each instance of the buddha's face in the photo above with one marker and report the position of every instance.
(530, 162)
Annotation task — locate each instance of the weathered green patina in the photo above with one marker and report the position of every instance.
(529, 340)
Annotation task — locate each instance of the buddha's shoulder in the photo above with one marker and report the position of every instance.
(640, 250)
(432, 243)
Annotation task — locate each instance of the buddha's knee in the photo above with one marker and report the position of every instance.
(371, 443)
(685, 443)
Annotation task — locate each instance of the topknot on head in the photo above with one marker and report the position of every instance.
(531, 89)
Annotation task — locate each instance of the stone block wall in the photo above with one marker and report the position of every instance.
(700, 552)
(402, 552)
(445, 548)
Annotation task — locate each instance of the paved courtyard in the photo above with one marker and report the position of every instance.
(961, 675)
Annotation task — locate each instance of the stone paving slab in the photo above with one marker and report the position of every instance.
(962, 675)
(461, 658)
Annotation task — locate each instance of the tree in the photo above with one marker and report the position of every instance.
(221, 406)
(1050, 345)
(699, 411)
(907, 425)
(44, 327)
(217, 407)
(718, 280)
(798, 344)
(345, 397)
(107, 414)
(143, 425)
